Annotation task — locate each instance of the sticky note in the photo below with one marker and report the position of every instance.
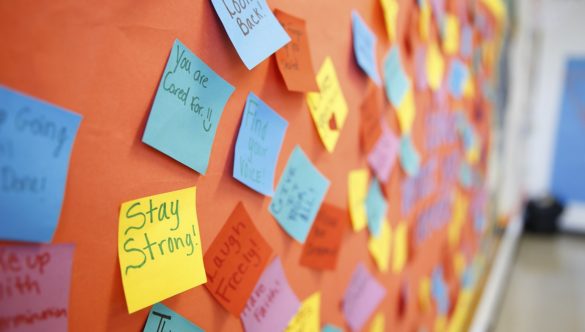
(459, 214)
(357, 191)
(409, 156)
(370, 119)
(406, 113)
(438, 7)
(235, 260)
(424, 294)
(390, 8)
(364, 47)
(435, 66)
(376, 207)
(258, 145)
(35, 145)
(379, 246)
(362, 297)
(307, 319)
(378, 323)
(458, 76)
(159, 247)
(396, 81)
(439, 291)
(383, 155)
(272, 304)
(466, 41)
(328, 107)
(294, 58)
(186, 110)
(451, 35)
(400, 250)
(321, 248)
(35, 283)
(252, 28)
(331, 328)
(161, 318)
(424, 25)
(420, 67)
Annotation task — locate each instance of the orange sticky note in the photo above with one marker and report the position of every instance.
(235, 260)
(294, 58)
(370, 129)
(322, 245)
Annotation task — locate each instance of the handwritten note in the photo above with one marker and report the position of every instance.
(159, 247)
(406, 113)
(35, 283)
(383, 155)
(379, 246)
(258, 145)
(298, 196)
(35, 145)
(409, 156)
(252, 28)
(458, 76)
(294, 59)
(400, 250)
(378, 323)
(322, 246)
(357, 182)
(396, 81)
(376, 207)
(331, 328)
(362, 296)
(435, 66)
(308, 317)
(370, 118)
(364, 47)
(451, 35)
(186, 110)
(272, 304)
(163, 319)
(328, 107)
(390, 8)
(235, 260)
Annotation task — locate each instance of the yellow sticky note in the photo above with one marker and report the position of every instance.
(379, 246)
(400, 247)
(457, 219)
(159, 247)
(469, 88)
(440, 324)
(424, 294)
(357, 192)
(459, 263)
(307, 317)
(406, 112)
(451, 35)
(435, 66)
(390, 8)
(378, 323)
(424, 24)
(328, 107)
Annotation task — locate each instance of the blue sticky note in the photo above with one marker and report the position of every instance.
(330, 328)
(252, 28)
(298, 196)
(409, 157)
(163, 319)
(364, 47)
(258, 145)
(439, 291)
(465, 175)
(186, 110)
(458, 74)
(376, 207)
(396, 81)
(35, 145)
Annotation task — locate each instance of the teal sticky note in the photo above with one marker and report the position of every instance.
(331, 328)
(458, 75)
(186, 110)
(252, 28)
(364, 47)
(35, 146)
(163, 319)
(376, 207)
(409, 157)
(298, 196)
(395, 79)
(258, 145)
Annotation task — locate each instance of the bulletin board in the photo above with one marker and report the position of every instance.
(104, 60)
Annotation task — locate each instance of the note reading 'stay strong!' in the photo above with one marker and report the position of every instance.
(186, 110)
(34, 287)
(363, 295)
(252, 28)
(159, 247)
(322, 246)
(35, 145)
(235, 261)
(163, 319)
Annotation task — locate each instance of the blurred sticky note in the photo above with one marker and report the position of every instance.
(379, 246)
(364, 47)
(235, 260)
(252, 28)
(458, 218)
(159, 247)
(35, 145)
(406, 113)
(362, 297)
(294, 59)
(466, 41)
(258, 145)
(400, 250)
(439, 291)
(35, 283)
(307, 319)
(409, 156)
(396, 81)
(435, 66)
(331, 328)
(328, 107)
(161, 319)
(458, 76)
(424, 24)
(357, 191)
(424, 294)
(272, 303)
(383, 155)
(370, 117)
(420, 67)
(376, 207)
(390, 8)
(321, 248)
(186, 110)
(298, 196)
(451, 35)
(378, 323)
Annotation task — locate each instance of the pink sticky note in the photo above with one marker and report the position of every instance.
(420, 67)
(34, 281)
(272, 304)
(383, 154)
(362, 297)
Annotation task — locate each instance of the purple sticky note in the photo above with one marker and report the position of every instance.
(272, 304)
(35, 284)
(383, 154)
(420, 67)
(362, 297)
